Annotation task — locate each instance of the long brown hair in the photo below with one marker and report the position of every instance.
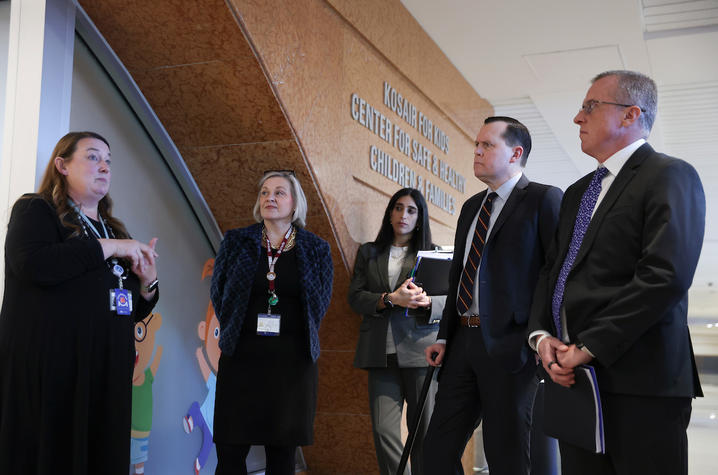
(53, 187)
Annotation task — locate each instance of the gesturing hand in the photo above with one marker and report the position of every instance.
(142, 256)
(146, 269)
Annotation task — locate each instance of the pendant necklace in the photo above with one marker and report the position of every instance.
(271, 261)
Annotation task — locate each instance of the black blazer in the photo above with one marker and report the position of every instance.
(626, 296)
(512, 258)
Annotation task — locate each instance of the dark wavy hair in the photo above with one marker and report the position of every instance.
(421, 240)
(53, 187)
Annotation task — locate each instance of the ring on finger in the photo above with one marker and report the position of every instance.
(551, 363)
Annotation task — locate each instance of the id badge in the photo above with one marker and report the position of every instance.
(268, 324)
(121, 301)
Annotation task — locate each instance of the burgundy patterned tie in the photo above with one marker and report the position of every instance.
(466, 284)
(583, 218)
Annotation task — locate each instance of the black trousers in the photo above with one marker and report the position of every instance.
(644, 435)
(231, 459)
(472, 388)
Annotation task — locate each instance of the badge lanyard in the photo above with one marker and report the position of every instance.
(86, 222)
(271, 275)
(120, 298)
(92, 227)
(117, 269)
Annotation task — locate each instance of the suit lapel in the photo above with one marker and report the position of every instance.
(623, 178)
(569, 222)
(464, 224)
(382, 263)
(406, 267)
(517, 194)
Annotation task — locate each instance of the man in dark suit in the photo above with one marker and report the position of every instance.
(615, 285)
(489, 372)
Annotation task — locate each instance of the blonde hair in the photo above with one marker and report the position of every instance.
(299, 218)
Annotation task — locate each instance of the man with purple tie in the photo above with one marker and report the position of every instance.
(488, 371)
(614, 291)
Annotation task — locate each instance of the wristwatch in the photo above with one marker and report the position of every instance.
(387, 301)
(151, 286)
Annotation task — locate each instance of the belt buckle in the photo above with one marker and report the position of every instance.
(470, 325)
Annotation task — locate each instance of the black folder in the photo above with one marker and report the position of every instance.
(431, 272)
(574, 415)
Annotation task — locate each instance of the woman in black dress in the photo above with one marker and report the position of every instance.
(66, 357)
(271, 287)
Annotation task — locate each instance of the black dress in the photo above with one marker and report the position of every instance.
(65, 359)
(267, 391)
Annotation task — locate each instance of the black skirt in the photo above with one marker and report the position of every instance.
(267, 391)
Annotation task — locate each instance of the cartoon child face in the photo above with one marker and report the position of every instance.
(208, 331)
(145, 332)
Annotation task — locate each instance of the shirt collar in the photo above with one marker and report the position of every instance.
(615, 162)
(505, 190)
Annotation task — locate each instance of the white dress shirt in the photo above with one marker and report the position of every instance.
(503, 192)
(614, 163)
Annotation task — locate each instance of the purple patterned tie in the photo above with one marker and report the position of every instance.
(583, 218)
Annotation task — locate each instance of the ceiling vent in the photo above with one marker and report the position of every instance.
(665, 15)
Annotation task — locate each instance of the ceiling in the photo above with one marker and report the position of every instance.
(534, 61)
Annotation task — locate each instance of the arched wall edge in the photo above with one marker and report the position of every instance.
(330, 365)
(89, 33)
(307, 162)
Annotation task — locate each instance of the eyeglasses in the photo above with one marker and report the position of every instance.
(141, 328)
(283, 172)
(589, 106)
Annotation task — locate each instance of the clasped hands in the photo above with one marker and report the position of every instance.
(559, 360)
(410, 295)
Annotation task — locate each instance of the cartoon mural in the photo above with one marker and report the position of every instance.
(202, 416)
(144, 375)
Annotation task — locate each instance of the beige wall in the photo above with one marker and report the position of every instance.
(317, 54)
(244, 86)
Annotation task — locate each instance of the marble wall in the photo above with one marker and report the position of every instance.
(247, 85)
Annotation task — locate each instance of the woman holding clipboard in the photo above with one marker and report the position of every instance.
(391, 339)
